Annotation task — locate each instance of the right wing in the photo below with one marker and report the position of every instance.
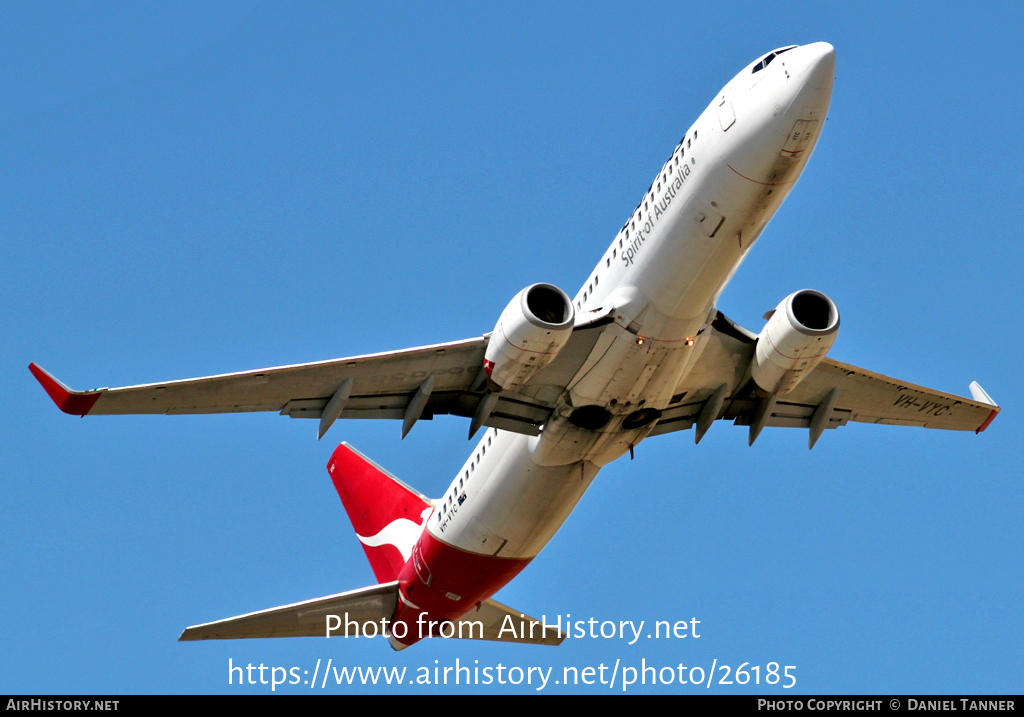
(862, 396)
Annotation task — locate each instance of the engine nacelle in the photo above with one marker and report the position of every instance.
(796, 338)
(531, 331)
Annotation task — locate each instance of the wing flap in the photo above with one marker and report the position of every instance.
(741, 412)
(785, 414)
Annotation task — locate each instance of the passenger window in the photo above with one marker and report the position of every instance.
(489, 438)
(460, 483)
(670, 167)
(620, 243)
(608, 262)
(687, 143)
(483, 450)
(659, 186)
(695, 135)
(597, 278)
(613, 253)
(467, 475)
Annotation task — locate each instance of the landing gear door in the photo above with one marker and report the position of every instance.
(726, 115)
(799, 137)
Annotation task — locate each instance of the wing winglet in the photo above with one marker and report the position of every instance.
(76, 403)
(981, 396)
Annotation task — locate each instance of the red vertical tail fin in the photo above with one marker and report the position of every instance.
(388, 515)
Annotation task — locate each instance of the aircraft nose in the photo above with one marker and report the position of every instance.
(815, 65)
(810, 70)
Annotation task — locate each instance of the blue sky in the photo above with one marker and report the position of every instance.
(192, 189)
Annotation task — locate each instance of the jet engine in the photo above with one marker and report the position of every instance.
(799, 333)
(531, 331)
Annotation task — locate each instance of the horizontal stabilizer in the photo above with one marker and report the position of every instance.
(302, 619)
(491, 621)
(517, 627)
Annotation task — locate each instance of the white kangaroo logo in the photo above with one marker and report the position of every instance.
(401, 533)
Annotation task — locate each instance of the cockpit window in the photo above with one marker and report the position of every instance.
(769, 57)
(763, 63)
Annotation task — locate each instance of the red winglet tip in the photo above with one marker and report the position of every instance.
(991, 417)
(77, 403)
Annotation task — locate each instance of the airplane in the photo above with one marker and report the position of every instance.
(565, 386)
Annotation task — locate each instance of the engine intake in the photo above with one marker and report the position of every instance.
(796, 338)
(530, 332)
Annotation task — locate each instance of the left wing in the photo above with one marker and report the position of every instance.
(404, 385)
(381, 384)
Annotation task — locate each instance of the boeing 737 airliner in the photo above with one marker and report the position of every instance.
(564, 386)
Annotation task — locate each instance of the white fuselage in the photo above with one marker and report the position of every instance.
(662, 275)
